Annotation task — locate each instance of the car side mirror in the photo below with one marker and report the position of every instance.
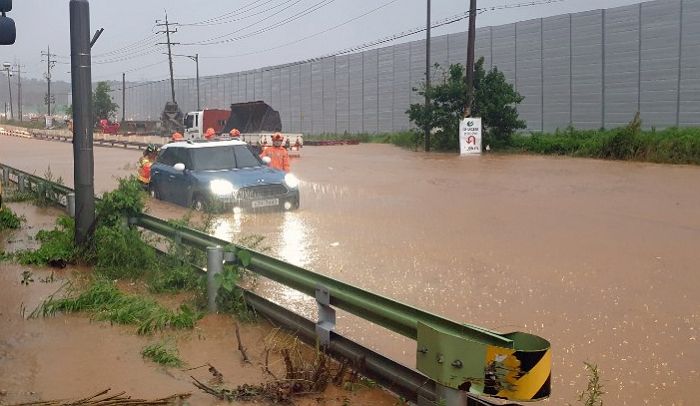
(179, 167)
(267, 160)
(8, 32)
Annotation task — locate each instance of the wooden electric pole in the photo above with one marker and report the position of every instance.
(470, 59)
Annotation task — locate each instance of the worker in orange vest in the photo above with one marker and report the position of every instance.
(145, 163)
(210, 134)
(176, 137)
(277, 154)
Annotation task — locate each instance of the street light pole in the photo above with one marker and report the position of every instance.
(196, 60)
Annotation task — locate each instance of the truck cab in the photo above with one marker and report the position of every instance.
(197, 122)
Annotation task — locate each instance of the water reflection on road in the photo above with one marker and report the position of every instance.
(598, 257)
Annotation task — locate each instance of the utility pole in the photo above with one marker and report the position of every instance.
(8, 68)
(81, 82)
(50, 63)
(123, 97)
(167, 32)
(427, 77)
(470, 59)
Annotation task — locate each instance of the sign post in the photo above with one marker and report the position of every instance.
(470, 136)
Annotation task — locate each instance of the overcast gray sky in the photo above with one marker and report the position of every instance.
(131, 24)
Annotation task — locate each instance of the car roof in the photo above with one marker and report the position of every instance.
(202, 144)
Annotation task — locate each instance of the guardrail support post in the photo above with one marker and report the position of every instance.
(21, 183)
(215, 265)
(326, 316)
(70, 204)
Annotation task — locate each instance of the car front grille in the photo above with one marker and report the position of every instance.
(261, 192)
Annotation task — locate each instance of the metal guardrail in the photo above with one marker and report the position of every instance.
(514, 366)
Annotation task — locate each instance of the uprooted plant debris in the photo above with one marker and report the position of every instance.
(102, 399)
(306, 373)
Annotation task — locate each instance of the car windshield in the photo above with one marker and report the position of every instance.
(220, 158)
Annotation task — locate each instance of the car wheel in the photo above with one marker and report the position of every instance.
(295, 204)
(153, 191)
(199, 203)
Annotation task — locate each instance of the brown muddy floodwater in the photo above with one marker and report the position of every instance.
(601, 258)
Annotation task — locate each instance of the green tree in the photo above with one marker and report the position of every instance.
(495, 101)
(102, 105)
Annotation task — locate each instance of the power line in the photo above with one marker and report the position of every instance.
(436, 24)
(231, 13)
(233, 17)
(128, 48)
(303, 13)
(308, 36)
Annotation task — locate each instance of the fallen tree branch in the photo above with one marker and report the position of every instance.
(241, 348)
(119, 399)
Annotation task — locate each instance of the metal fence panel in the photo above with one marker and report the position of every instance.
(342, 93)
(483, 47)
(417, 68)
(295, 97)
(587, 69)
(621, 65)
(504, 50)
(529, 72)
(285, 107)
(355, 109)
(369, 91)
(457, 47)
(316, 97)
(329, 110)
(659, 68)
(688, 114)
(402, 86)
(556, 87)
(306, 89)
(385, 90)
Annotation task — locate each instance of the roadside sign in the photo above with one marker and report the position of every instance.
(470, 136)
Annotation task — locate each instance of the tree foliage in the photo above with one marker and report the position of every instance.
(102, 105)
(495, 101)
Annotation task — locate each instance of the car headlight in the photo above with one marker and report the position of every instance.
(291, 181)
(221, 187)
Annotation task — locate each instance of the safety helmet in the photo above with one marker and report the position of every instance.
(177, 137)
(235, 133)
(277, 137)
(151, 148)
(210, 133)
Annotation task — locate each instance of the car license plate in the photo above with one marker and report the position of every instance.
(265, 203)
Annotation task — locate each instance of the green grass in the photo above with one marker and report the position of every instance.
(162, 354)
(673, 145)
(593, 394)
(57, 245)
(104, 301)
(405, 139)
(9, 220)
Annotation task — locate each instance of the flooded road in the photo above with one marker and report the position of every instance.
(601, 258)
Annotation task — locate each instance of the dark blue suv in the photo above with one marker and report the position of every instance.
(220, 174)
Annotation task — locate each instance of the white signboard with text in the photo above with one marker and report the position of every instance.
(49, 121)
(470, 136)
